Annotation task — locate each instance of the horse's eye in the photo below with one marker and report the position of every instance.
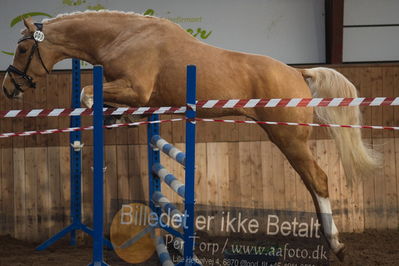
(22, 50)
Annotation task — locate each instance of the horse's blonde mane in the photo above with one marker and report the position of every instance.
(90, 12)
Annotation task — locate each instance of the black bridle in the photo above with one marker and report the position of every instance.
(11, 70)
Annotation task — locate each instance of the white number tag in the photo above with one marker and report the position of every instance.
(38, 36)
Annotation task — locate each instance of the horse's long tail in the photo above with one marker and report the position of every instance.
(357, 159)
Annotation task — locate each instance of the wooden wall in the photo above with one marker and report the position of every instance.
(236, 164)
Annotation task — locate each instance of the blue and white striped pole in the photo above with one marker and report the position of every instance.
(162, 252)
(169, 179)
(169, 149)
(165, 204)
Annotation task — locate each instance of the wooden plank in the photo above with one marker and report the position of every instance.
(17, 124)
(396, 117)
(31, 178)
(41, 122)
(7, 190)
(345, 199)
(18, 155)
(234, 175)
(178, 130)
(357, 206)
(278, 178)
(397, 170)
(64, 84)
(201, 177)
(256, 174)
(135, 186)
(29, 101)
(2, 202)
(87, 185)
(376, 84)
(43, 192)
(290, 177)
(109, 137)
(133, 136)
(208, 132)
(3, 175)
(143, 161)
(334, 181)
(246, 186)
(391, 192)
(228, 131)
(367, 88)
(395, 74)
(65, 183)
(55, 191)
(389, 153)
(142, 135)
(267, 174)
(53, 96)
(122, 157)
(218, 173)
(249, 132)
(121, 135)
(111, 184)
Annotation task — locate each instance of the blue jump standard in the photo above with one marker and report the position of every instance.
(157, 172)
(76, 171)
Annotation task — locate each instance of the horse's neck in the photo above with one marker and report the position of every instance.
(87, 42)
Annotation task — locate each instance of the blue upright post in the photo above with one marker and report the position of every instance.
(76, 170)
(153, 157)
(98, 173)
(75, 153)
(189, 201)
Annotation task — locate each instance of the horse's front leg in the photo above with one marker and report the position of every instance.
(116, 92)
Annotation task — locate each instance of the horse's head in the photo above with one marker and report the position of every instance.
(28, 66)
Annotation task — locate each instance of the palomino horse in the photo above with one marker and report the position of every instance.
(144, 61)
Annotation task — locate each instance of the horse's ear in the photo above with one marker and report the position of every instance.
(28, 22)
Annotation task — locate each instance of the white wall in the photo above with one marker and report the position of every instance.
(289, 30)
(371, 43)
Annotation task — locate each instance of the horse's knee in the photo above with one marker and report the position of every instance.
(140, 95)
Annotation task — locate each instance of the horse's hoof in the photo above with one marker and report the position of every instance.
(110, 120)
(341, 253)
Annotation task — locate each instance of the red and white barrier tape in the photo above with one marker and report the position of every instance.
(249, 103)
(300, 102)
(88, 111)
(294, 124)
(71, 129)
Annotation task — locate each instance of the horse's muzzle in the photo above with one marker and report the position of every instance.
(12, 95)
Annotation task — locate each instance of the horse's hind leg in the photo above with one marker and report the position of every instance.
(292, 141)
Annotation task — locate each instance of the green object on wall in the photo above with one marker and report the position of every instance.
(7, 53)
(26, 15)
(96, 7)
(149, 12)
(73, 3)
